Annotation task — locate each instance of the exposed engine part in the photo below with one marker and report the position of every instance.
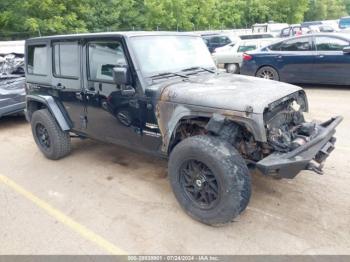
(286, 127)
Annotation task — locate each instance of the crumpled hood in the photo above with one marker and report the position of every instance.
(228, 91)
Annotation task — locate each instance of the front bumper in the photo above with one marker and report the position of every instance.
(309, 156)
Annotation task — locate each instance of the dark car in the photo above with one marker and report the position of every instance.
(160, 93)
(12, 84)
(215, 40)
(311, 59)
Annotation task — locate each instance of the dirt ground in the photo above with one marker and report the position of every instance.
(103, 197)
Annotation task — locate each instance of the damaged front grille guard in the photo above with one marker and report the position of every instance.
(310, 156)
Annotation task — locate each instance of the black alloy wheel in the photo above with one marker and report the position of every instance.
(43, 136)
(199, 184)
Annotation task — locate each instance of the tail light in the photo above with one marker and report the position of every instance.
(247, 57)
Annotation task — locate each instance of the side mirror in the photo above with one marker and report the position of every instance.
(121, 76)
(346, 50)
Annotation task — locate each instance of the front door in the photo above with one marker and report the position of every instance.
(296, 60)
(67, 80)
(332, 65)
(111, 116)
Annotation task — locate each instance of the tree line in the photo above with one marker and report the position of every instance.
(25, 18)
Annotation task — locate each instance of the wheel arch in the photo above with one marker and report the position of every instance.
(208, 123)
(37, 102)
(267, 65)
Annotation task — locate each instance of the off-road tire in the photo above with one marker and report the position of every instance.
(60, 145)
(230, 170)
(268, 72)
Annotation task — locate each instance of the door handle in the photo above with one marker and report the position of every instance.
(60, 86)
(321, 56)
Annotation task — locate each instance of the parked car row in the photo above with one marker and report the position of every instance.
(215, 41)
(310, 59)
(231, 56)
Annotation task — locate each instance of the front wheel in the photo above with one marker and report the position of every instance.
(268, 72)
(209, 179)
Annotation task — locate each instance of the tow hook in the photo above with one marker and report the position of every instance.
(315, 168)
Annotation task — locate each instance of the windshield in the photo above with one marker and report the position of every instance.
(344, 23)
(159, 54)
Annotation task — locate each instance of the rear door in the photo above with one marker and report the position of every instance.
(332, 65)
(67, 80)
(295, 60)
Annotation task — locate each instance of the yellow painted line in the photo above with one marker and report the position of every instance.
(59, 216)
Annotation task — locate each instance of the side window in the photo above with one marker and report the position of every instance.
(215, 40)
(276, 47)
(66, 59)
(103, 57)
(297, 44)
(37, 60)
(325, 43)
(226, 40)
(285, 32)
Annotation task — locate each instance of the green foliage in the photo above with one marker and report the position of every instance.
(327, 9)
(22, 18)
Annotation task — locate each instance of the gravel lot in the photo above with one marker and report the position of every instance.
(104, 198)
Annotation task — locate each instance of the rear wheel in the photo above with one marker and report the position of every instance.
(51, 140)
(268, 72)
(232, 68)
(210, 179)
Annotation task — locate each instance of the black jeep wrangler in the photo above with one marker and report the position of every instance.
(161, 93)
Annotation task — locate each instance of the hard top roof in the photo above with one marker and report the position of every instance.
(111, 34)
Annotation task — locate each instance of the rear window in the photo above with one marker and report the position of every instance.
(297, 44)
(37, 60)
(276, 47)
(247, 48)
(66, 60)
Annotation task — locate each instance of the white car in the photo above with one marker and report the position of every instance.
(231, 56)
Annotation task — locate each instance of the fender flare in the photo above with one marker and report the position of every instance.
(169, 120)
(54, 109)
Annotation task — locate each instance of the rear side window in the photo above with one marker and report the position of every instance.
(276, 47)
(324, 43)
(246, 48)
(66, 60)
(220, 40)
(37, 60)
(103, 57)
(297, 44)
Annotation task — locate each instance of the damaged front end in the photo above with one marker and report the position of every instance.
(292, 143)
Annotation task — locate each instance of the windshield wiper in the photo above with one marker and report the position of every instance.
(168, 74)
(197, 68)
